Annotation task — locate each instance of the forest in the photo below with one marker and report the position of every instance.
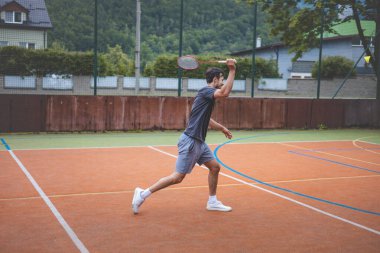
(212, 26)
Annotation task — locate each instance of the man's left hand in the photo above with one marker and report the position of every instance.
(227, 133)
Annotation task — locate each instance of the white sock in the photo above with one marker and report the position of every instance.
(212, 199)
(146, 193)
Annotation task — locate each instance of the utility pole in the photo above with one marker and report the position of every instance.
(95, 70)
(180, 50)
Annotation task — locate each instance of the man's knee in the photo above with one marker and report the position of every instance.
(177, 178)
(215, 168)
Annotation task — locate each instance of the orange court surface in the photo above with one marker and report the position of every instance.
(288, 194)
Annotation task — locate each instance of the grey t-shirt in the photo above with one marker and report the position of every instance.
(201, 113)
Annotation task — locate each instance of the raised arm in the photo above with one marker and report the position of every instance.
(215, 125)
(225, 90)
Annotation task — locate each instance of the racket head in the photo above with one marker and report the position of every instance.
(187, 62)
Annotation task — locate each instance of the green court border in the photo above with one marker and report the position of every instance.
(154, 138)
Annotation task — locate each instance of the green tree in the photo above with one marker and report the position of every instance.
(212, 26)
(299, 28)
(117, 62)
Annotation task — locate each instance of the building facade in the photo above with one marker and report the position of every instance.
(24, 23)
(345, 42)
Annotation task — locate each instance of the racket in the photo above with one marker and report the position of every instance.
(189, 62)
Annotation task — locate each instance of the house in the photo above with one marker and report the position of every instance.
(344, 42)
(24, 23)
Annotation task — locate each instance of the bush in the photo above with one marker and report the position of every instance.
(117, 62)
(166, 66)
(14, 61)
(42, 62)
(334, 66)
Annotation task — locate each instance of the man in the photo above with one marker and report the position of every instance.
(191, 145)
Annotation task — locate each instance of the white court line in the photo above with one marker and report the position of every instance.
(369, 142)
(360, 139)
(186, 187)
(284, 197)
(54, 210)
(144, 146)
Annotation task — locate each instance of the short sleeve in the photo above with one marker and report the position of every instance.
(208, 92)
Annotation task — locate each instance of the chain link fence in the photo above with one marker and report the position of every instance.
(98, 56)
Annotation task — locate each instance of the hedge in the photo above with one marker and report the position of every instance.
(41, 62)
(166, 66)
(334, 66)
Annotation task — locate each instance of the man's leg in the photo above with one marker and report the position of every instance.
(213, 204)
(140, 195)
(213, 176)
(174, 178)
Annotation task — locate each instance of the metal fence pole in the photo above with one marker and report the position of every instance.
(95, 47)
(180, 50)
(320, 49)
(254, 49)
(137, 49)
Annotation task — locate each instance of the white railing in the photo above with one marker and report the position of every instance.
(57, 82)
(20, 82)
(196, 84)
(166, 83)
(130, 82)
(275, 84)
(105, 82)
(84, 84)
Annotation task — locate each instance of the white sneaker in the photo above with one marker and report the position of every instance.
(137, 200)
(218, 206)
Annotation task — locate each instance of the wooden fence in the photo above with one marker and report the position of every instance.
(45, 113)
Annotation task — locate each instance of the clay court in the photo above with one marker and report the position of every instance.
(311, 191)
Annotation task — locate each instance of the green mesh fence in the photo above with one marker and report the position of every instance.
(48, 47)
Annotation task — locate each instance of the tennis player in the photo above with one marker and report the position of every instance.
(191, 145)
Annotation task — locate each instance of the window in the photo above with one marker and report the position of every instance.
(3, 43)
(17, 17)
(13, 17)
(23, 44)
(357, 42)
(27, 45)
(9, 17)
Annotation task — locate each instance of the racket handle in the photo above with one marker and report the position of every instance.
(225, 61)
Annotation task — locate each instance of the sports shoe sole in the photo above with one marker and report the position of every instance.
(135, 207)
(219, 209)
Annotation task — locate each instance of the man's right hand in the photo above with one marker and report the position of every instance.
(231, 64)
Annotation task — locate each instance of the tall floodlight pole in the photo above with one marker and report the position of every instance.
(180, 50)
(95, 70)
(254, 49)
(137, 48)
(320, 49)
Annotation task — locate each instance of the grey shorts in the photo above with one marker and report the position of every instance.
(191, 151)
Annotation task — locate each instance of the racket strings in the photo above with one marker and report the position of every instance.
(187, 62)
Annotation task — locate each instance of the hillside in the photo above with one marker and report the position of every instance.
(212, 26)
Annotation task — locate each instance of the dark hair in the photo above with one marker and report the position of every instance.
(213, 72)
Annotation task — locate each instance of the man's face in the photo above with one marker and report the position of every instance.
(219, 82)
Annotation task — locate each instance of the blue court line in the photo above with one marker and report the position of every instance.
(281, 188)
(338, 149)
(333, 161)
(5, 144)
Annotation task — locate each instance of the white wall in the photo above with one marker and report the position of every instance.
(15, 36)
